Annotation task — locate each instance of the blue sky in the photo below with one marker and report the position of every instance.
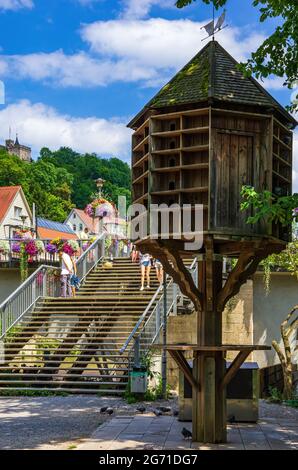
(75, 71)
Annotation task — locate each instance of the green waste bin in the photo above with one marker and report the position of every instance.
(138, 380)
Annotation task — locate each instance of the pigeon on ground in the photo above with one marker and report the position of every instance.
(165, 409)
(110, 411)
(103, 409)
(186, 433)
(141, 408)
(175, 413)
(157, 412)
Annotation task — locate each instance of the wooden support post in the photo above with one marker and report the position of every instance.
(209, 403)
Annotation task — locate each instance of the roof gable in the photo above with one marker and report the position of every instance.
(7, 196)
(85, 218)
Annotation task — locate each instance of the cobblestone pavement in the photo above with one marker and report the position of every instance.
(75, 422)
(277, 429)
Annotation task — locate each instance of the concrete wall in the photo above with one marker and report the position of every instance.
(251, 317)
(237, 328)
(9, 280)
(270, 311)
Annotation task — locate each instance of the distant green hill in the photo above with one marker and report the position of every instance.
(60, 180)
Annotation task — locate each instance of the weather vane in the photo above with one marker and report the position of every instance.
(211, 29)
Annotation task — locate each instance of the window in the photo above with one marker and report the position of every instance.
(172, 126)
(81, 227)
(172, 185)
(17, 212)
(74, 216)
(74, 228)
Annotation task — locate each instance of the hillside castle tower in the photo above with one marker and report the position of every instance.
(15, 148)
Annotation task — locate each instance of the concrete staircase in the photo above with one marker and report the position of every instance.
(73, 345)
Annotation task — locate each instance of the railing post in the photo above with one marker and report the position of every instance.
(137, 352)
(175, 295)
(98, 251)
(164, 339)
(44, 283)
(3, 322)
(84, 267)
(103, 245)
(157, 319)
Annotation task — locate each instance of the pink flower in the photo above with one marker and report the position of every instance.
(31, 248)
(68, 249)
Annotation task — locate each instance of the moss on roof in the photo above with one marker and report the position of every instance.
(212, 73)
(190, 84)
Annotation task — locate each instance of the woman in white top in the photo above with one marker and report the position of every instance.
(67, 269)
(145, 263)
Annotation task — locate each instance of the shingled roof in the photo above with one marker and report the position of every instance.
(213, 74)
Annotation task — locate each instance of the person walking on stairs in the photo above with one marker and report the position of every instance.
(145, 263)
(67, 270)
(159, 271)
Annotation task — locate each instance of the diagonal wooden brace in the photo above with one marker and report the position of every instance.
(234, 367)
(183, 365)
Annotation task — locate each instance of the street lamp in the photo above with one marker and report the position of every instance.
(23, 219)
(99, 183)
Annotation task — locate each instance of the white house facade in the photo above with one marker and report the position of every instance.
(14, 211)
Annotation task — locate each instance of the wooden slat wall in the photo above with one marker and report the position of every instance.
(240, 156)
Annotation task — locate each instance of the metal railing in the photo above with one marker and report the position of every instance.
(45, 282)
(148, 328)
(91, 258)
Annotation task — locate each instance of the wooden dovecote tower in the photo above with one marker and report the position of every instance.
(207, 133)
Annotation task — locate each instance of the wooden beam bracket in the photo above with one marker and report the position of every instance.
(234, 367)
(183, 365)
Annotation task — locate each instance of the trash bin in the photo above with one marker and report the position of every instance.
(138, 380)
(242, 395)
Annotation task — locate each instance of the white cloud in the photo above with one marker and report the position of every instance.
(274, 83)
(145, 51)
(161, 43)
(140, 8)
(15, 4)
(42, 126)
(77, 70)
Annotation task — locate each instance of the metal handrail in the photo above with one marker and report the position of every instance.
(22, 287)
(82, 261)
(24, 298)
(144, 315)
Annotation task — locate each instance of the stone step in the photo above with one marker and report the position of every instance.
(61, 383)
(67, 390)
(108, 369)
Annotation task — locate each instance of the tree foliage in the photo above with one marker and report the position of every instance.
(278, 54)
(85, 169)
(60, 180)
(269, 207)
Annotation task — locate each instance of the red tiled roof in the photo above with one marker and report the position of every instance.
(7, 195)
(88, 221)
(47, 234)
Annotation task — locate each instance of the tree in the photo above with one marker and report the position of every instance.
(13, 171)
(278, 55)
(85, 169)
(282, 210)
(287, 329)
